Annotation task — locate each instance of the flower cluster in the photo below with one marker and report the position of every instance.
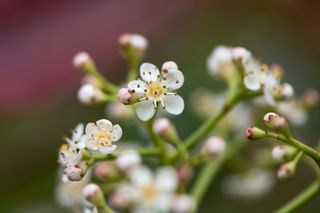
(95, 138)
(159, 176)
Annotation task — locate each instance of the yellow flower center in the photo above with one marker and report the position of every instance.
(150, 191)
(155, 90)
(104, 138)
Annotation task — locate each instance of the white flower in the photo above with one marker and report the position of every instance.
(183, 204)
(157, 87)
(127, 160)
(69, 155)
(101, 135)
(77, 140)
(253, 184)
(259, 77)
(89, 94)
(148, 192)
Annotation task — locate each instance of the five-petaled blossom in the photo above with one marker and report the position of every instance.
(260, 77)
(100, 136)
(150, 192)
(157, 87)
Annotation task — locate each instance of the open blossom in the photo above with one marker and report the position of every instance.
(100, 136)
(77, 139)
(69, 155)
(148, 192)
(259, 77)
(157, 87)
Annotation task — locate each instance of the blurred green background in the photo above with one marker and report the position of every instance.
(38, 85)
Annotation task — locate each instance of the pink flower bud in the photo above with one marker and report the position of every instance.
(166, 130)
(184, 173)
(75, 172)
(133, 46)
(277, 123)
(254, 133)
(286, 171)
(103, 170)
(81, 59)
(93, 194)
(124, 96)
(213, 146)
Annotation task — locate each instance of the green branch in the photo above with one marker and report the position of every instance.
(301, 199)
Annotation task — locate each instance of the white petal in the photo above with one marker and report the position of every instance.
(174, 104)
(104, 125)
(116, 132)
(78, 132)
(108, 149)
(138, 86)
(91, 128)
(141, 176)
(251, 83)
(82, 142)
(149, 72)
(166, 179)
(173, 80)
(91, 145)
(145, 110)
(269, 97)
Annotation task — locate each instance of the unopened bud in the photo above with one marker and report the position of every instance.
(120, 198)
(286, 170)
(311, 98)
(276, 122)
(166, 130)
(282, 153)
(285, 91)
(104, 171)
(213, 146)
(277, 71)
(89, 94)
(184, 173)
(254, 133)
(120, 111)
(183, 204)
(127, 96)
(133, 46)
(168, 65)
(75, 172)
(81, 59)
(240, 53)
(128, 160)
(93, 194)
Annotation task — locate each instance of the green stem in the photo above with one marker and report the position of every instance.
(211, 169)
(133, 70)
(301, 199)
(143, 152)
(107, 209)
(156, 140)
(213, 121)
(314, 154)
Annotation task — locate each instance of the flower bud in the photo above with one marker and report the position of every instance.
(120, 111)
(89, 94)
(127, 96)
(284, 91)
(128, 160)
(166, 130)
(183, 204)
(286, 170)
(120, 198)
(311, 98)
(75, 172)
(133, 46)
(254, 133)
(184, 173)
(168, 65)
(81, 59)
(104, 171)
(213, 146)
(240, 53)
(93, 194)
(282, 153)
(275, 122)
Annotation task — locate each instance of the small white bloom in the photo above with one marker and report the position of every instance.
(152, 192)
(89, 94)
(77, 139)
(80, 59)
(157, 87)
(255, 76)
(101, 135)
(220, 55)
(213, 146)
(127, 160)
(183, 204)
(251, 185)
(69, 155)
(270, 86)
